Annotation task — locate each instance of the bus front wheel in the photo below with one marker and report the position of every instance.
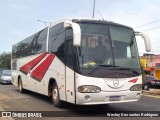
(55, 96)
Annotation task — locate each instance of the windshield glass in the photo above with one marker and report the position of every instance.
(107, 51)
(6, 73)
(148, 78)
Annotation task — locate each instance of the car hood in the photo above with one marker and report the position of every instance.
(6, 77)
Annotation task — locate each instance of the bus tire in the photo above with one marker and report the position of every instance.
(20, 85)
(55, 96)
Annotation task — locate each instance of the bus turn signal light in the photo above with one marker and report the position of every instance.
(134, 80)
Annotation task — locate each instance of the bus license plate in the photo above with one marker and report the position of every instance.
(114, 98)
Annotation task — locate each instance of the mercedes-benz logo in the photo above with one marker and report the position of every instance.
(116, 83)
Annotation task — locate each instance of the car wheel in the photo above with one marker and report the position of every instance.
(55, 96)
(20, 85)
(146, 87)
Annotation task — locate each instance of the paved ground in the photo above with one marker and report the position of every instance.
(12, 100)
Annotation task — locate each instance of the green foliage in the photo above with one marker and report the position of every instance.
(5, 60)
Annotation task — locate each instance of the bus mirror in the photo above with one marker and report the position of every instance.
(146, 40)
(76, 32)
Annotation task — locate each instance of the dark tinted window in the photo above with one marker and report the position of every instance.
(14, 64)
(31, 45)
(69, 48)
(6, 73)
(148, 78)
(69, 34)
(38, 44)
(57, 41)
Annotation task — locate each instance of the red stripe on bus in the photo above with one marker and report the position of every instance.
(40, 71)
(30, 65)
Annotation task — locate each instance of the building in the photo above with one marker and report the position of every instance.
(151, 63)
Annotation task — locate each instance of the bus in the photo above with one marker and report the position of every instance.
(80, 61)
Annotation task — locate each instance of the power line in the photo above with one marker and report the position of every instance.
(100, 14)
(151, 28)
(147, 24)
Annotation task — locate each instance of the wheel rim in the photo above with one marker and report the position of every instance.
(20, 86)
(145, 87)
(55, 95)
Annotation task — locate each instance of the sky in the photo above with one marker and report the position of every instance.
(18, 18)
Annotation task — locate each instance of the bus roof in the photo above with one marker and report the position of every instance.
(92, 20)
(89, 20)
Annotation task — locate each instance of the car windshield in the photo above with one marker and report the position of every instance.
(6, 73)
(107, 49)
(151, 78)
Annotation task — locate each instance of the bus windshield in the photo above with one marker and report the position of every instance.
(107, 51)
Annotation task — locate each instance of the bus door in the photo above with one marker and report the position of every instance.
(69, 72)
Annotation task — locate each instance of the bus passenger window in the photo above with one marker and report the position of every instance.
(69, 48)
(69, 53)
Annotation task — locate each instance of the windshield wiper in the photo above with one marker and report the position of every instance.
(120, 68)
(101, 65)
(130, 69)
(104, 65)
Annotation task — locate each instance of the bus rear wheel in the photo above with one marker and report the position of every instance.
(20, 85)
(55, 96)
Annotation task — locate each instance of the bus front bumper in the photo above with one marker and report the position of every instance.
(107, 97)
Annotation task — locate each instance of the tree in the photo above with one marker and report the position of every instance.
(143, 73)
(5, 60)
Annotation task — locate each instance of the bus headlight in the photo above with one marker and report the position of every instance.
(137, 87)
(88, 89)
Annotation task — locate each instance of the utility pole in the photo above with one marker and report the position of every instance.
(45, 23)
(93, 8)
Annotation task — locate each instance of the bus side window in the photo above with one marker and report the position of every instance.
(69, 48)
(57, 41)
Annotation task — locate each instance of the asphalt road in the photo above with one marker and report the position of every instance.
(12, 100)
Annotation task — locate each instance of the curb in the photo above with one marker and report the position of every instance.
(155, 93)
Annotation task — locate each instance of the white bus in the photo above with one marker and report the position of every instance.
(80, 61)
